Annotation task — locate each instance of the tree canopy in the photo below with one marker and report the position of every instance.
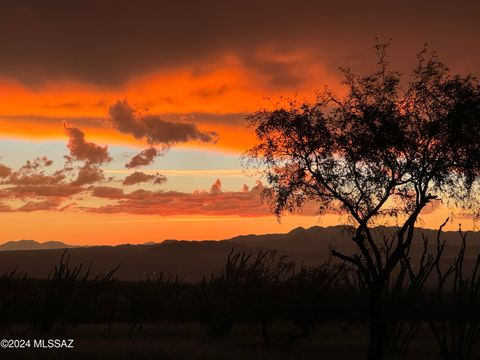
(384, 150)
(381, 149)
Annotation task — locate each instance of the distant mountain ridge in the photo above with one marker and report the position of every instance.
(194, 259)
(317, 238)
(302, 240)
(33, 245)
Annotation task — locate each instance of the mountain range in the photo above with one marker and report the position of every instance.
(33, 245)
(194, 259)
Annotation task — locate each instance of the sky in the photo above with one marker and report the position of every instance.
(124, 121)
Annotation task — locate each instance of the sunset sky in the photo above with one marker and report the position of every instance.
(124, 121)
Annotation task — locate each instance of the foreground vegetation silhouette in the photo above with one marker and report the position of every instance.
(264, 290)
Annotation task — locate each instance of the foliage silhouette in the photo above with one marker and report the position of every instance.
(67, 298)
(381, 152)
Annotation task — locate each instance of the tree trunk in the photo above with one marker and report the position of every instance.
(377, 325)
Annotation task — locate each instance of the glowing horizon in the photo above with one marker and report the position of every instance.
(89, 105)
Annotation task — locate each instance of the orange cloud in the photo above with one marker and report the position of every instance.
(32, 173)
(39, 191)
(244, 203)
(140, 177)
(215, 99)
(5, 171)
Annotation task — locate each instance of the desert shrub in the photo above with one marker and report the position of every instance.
(13, 287)
(65, 298)
(146, 300)
(454, 307)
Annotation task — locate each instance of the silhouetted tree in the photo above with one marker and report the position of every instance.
(379, 152)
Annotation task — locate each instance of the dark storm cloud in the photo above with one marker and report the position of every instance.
(144, 157)
(153, 128)
(108, 42)
(82, 150)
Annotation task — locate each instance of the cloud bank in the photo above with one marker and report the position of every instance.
(154, 130)
(95, 42)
